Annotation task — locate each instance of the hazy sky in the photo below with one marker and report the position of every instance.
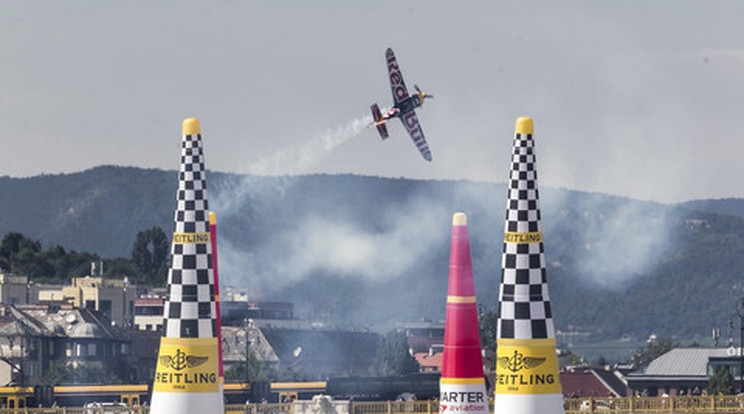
(634, 98)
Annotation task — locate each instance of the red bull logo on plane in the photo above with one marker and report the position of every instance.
(396, 79)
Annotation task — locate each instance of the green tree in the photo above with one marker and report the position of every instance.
(22, 255)
(8, 249)
(722, 382)
(78, 264)
(94, 374)
(58, 259)
(57, 373)
(248, 370)
(18, 252)
(120, 268)
(60, 372)
(252, 369)
(487, 324)
(601, 360)
(393, 357)
(149, 254)
(575, 360)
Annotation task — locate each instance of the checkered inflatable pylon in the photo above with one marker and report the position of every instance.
(525, 305)
(527, 379)
(190, 309)
(187, 379)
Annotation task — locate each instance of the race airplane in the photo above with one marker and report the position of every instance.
(404, 106)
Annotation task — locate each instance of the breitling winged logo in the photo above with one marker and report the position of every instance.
(181, 360)
(519, 361)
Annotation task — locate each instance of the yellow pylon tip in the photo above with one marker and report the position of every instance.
(459, 219)
(524, 125)
(191, 126)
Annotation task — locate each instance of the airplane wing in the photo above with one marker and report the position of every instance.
(396, 78)
(411, 122)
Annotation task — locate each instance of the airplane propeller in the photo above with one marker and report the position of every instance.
(422, 93)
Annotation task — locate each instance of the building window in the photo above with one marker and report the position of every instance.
(148, 310)
(92, 349)
(104, 306)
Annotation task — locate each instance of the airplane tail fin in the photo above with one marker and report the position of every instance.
(379, 122)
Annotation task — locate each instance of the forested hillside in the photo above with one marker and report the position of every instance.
(725, 206)
(355, 250)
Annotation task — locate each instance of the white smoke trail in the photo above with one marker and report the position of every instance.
(298, 159)
(236, 193)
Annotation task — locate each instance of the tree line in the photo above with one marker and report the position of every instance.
(147, 265)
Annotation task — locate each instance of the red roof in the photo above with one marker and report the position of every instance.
(429, 363)
(148, 301)
(583, 384)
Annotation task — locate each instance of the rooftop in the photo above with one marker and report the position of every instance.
(683, 362)
(429, 362)
(587, 382)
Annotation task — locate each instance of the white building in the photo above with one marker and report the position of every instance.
(14, 289)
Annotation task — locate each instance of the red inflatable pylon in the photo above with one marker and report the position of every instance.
(463, 386)
(213, 233)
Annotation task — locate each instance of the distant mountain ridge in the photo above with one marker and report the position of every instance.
(725, 206)
(358, 250)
